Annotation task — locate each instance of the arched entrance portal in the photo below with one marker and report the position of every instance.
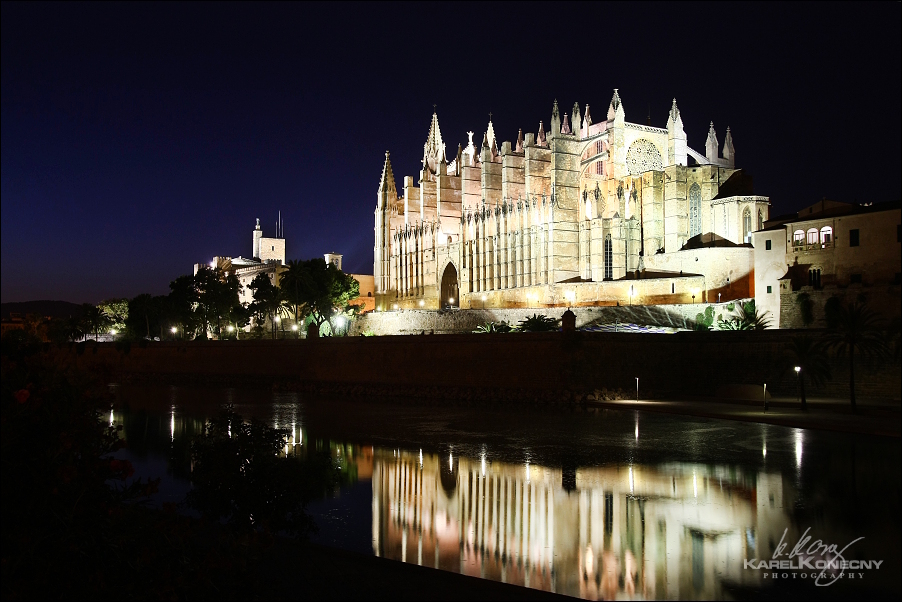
(450, 296)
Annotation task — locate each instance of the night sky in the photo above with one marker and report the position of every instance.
(139, 139)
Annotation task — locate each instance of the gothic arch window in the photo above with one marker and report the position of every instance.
(695, 210)
(608, 258)
(747, 225)
(643, 156)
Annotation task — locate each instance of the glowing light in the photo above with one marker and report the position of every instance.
(422, 303)
(231, 328)
(483, 298)
(694, 485)
(527, 471)
(798, 447)
(798, 369)
(294, 327)
(340, 321)
(174, 330)
(213, 264)
(111, 417)
(172, 425)
(395, 306)
(421, 458)
(631, 479)
(278, 319)
(112, 331)
(450, 461)
(451, 300)
(764, 450)
(590, 560)
(483, 464)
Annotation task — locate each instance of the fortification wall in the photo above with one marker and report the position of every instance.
(680, 316)
(520, 367)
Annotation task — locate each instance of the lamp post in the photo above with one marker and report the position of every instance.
(294, 329)
(174, 331)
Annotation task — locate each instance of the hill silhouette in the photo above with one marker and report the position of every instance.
(54, 309)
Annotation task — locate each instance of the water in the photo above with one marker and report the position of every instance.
(595, 504)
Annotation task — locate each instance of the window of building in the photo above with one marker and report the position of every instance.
(853, 238)
(855, 278)
(769, 289)
(672, 288)
(608, 258)
(747, 225)
(814, 277)
(798, 238)
(812, 236)
(695, 210)
(826, 236)
(767, 245)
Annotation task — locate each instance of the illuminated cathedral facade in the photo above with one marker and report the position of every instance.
(584, 213)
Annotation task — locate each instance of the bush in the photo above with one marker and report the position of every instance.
(493, 328)
(537, 323)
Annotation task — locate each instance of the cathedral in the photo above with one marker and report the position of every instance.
(584, 213)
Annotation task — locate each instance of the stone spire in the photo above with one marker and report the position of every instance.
(434, 148)
(676, 138)
(711, 145)
(555, 120)
(540, 137)
(615, 105)
(576, 119)
(565, 129)
(519, 147)
(387, 183)
(729, 153)
(587, 120)
(490, 133)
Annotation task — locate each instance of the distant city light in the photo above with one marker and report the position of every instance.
(174, 330)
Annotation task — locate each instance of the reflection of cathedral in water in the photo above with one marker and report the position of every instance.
(674, 531)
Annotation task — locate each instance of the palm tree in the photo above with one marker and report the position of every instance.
(807, 356)
(857, 331)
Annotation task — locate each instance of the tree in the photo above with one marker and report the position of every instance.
(181, 303)
(705, 321)
(217, 297)
(319, 289)
(537, 323)
(857, 331)
(116, 313)
(269, 300)
(93, 319)
(808, 355)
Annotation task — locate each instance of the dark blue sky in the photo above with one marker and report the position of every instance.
(138, 139)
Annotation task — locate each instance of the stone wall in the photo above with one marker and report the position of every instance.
(884, 300)
(463, 321)
(516, 368)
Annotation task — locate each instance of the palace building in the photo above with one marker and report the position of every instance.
(583, 213)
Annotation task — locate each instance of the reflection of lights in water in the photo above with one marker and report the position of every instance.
(172, 425)
(631, 479)
(589, 559)
(694, 485)
(764, 451)
(799, 447)
(421, 458)
(111, 417)
(450, 461)
(637, 430)
(483, 464)
(527, 471)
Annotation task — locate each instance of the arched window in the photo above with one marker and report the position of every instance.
(608, 258)
(798, 238)
(695, 210)
(826, 236)
(812, 236)
(747, 225)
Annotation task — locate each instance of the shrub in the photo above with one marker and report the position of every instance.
(537, 323)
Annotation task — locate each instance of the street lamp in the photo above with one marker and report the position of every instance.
(695, 293)
(801, 384)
